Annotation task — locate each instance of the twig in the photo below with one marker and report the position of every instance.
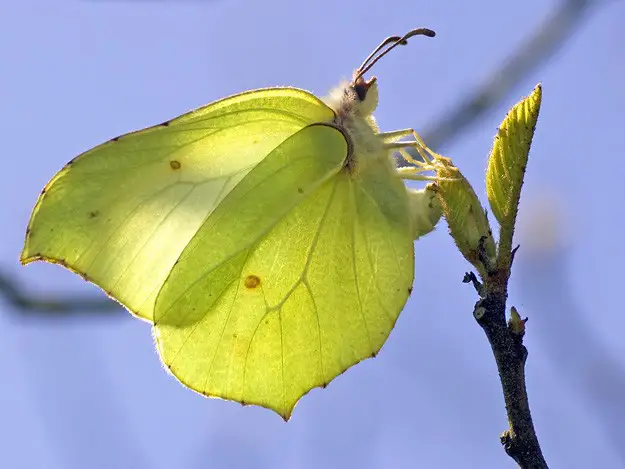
(506, 340)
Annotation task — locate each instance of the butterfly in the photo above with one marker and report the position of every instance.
(268, 237)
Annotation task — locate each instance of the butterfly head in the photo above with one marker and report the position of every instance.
(355, 101)
(363, 93)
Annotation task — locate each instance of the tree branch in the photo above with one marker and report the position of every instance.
(506, 340)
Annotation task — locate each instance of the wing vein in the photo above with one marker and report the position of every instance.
(356, 285)
(282, 355)
(221, 191)
(374, 264)
(223, 329)
(260, 235)
(149, 238)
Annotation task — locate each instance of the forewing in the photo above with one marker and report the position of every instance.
(260, 310)
(121, 213)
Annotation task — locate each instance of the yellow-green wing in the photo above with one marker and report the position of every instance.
(121, 213)
(299, 274)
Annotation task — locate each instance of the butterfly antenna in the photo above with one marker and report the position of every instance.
(394, 41)
(384, 43)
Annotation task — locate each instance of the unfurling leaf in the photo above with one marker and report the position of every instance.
(508, 158)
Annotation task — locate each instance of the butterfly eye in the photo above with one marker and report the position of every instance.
(361, 87)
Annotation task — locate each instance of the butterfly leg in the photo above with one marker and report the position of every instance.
(431, 161)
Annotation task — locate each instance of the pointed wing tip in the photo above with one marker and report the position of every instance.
(28, 257)
(285, 414)
(25, 259)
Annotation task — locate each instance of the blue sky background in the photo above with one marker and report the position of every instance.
(91, 393)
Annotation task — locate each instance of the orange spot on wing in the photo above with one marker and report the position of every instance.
(252, 281)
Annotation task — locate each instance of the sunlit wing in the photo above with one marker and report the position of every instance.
(121, 213)
(300, 273)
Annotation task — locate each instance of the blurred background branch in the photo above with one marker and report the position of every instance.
(547, 39)
(27, 303)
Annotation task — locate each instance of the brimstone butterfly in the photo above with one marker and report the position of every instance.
(267, 236)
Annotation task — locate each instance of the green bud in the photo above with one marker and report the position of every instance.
(515, 323)
(466, 218)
